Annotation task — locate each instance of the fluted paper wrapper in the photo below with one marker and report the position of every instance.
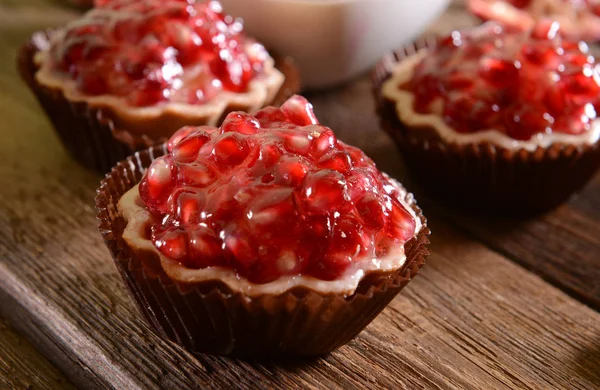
(483, 176)
(91, 134)
(209, 317)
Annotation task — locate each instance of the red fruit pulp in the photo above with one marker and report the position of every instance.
(271, 195)
(520, 3)
(577, 5)
(516, 82)
(580, 17)
(152, 51)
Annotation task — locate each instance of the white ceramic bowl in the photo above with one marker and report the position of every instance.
(334, 40)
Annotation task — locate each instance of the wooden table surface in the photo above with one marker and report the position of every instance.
(501, 303)
(22, 366)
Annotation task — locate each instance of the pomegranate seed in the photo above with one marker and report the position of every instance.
(299, 111)
(325, 141)
(359, 159)
(546, 29)
(92, 83)
(197, 174)
(458, 81)
(459, 112)
(146, 97)
(157, 184)
(554, 101)
(187, 149)
(187, 205)
(520, 3)
(372, 211)
(270, 209)
(268, 198)
(579, 17)
(338, 161)
(231, 149)
(402, 224)
(578, 120)
(269, 155)
(324, 190)
(240, 122)
(239, 247)
(173, 243)
(168, 39)
(298, 142)
(505, 78)
(523, 123)
(321, 226)
(348, 238)
(291, 171)
(498, 72)
(329, 267)
(539, 55)
(270, 115)
(205, 248)
(359, 181)
(179, 135)
(582, 85)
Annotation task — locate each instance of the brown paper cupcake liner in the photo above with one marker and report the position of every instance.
(209, 317)
(81, 4)
(483, 176)
(92, 135)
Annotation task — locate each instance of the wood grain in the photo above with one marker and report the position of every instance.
(471, 319)
(562, 246)
(22, 366)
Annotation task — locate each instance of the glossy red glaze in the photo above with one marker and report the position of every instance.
(270, 195)
(155, 51)
(521, 3)
(580, 18)
(519, 83)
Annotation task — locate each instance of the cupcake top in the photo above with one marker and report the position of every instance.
(149, 53)
(579, 19)
(270, 202)
(507, 86)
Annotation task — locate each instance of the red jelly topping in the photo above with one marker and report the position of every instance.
(520, 3)
(155, 51)
(271, 195)
(581, 15)
(581, 6)
(518, 83)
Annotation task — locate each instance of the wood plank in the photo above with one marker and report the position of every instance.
(22, 366)
(562, 246)
(471, 319)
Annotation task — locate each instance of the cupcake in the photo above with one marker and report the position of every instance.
(128, 74)
(264, 237)
(579, 20)
(494, 118)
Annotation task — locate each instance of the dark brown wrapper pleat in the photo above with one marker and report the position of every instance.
(82, 4)
(88, 133)
(208, 317)
(483, 176)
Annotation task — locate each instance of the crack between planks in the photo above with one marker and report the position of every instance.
(573, 293)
